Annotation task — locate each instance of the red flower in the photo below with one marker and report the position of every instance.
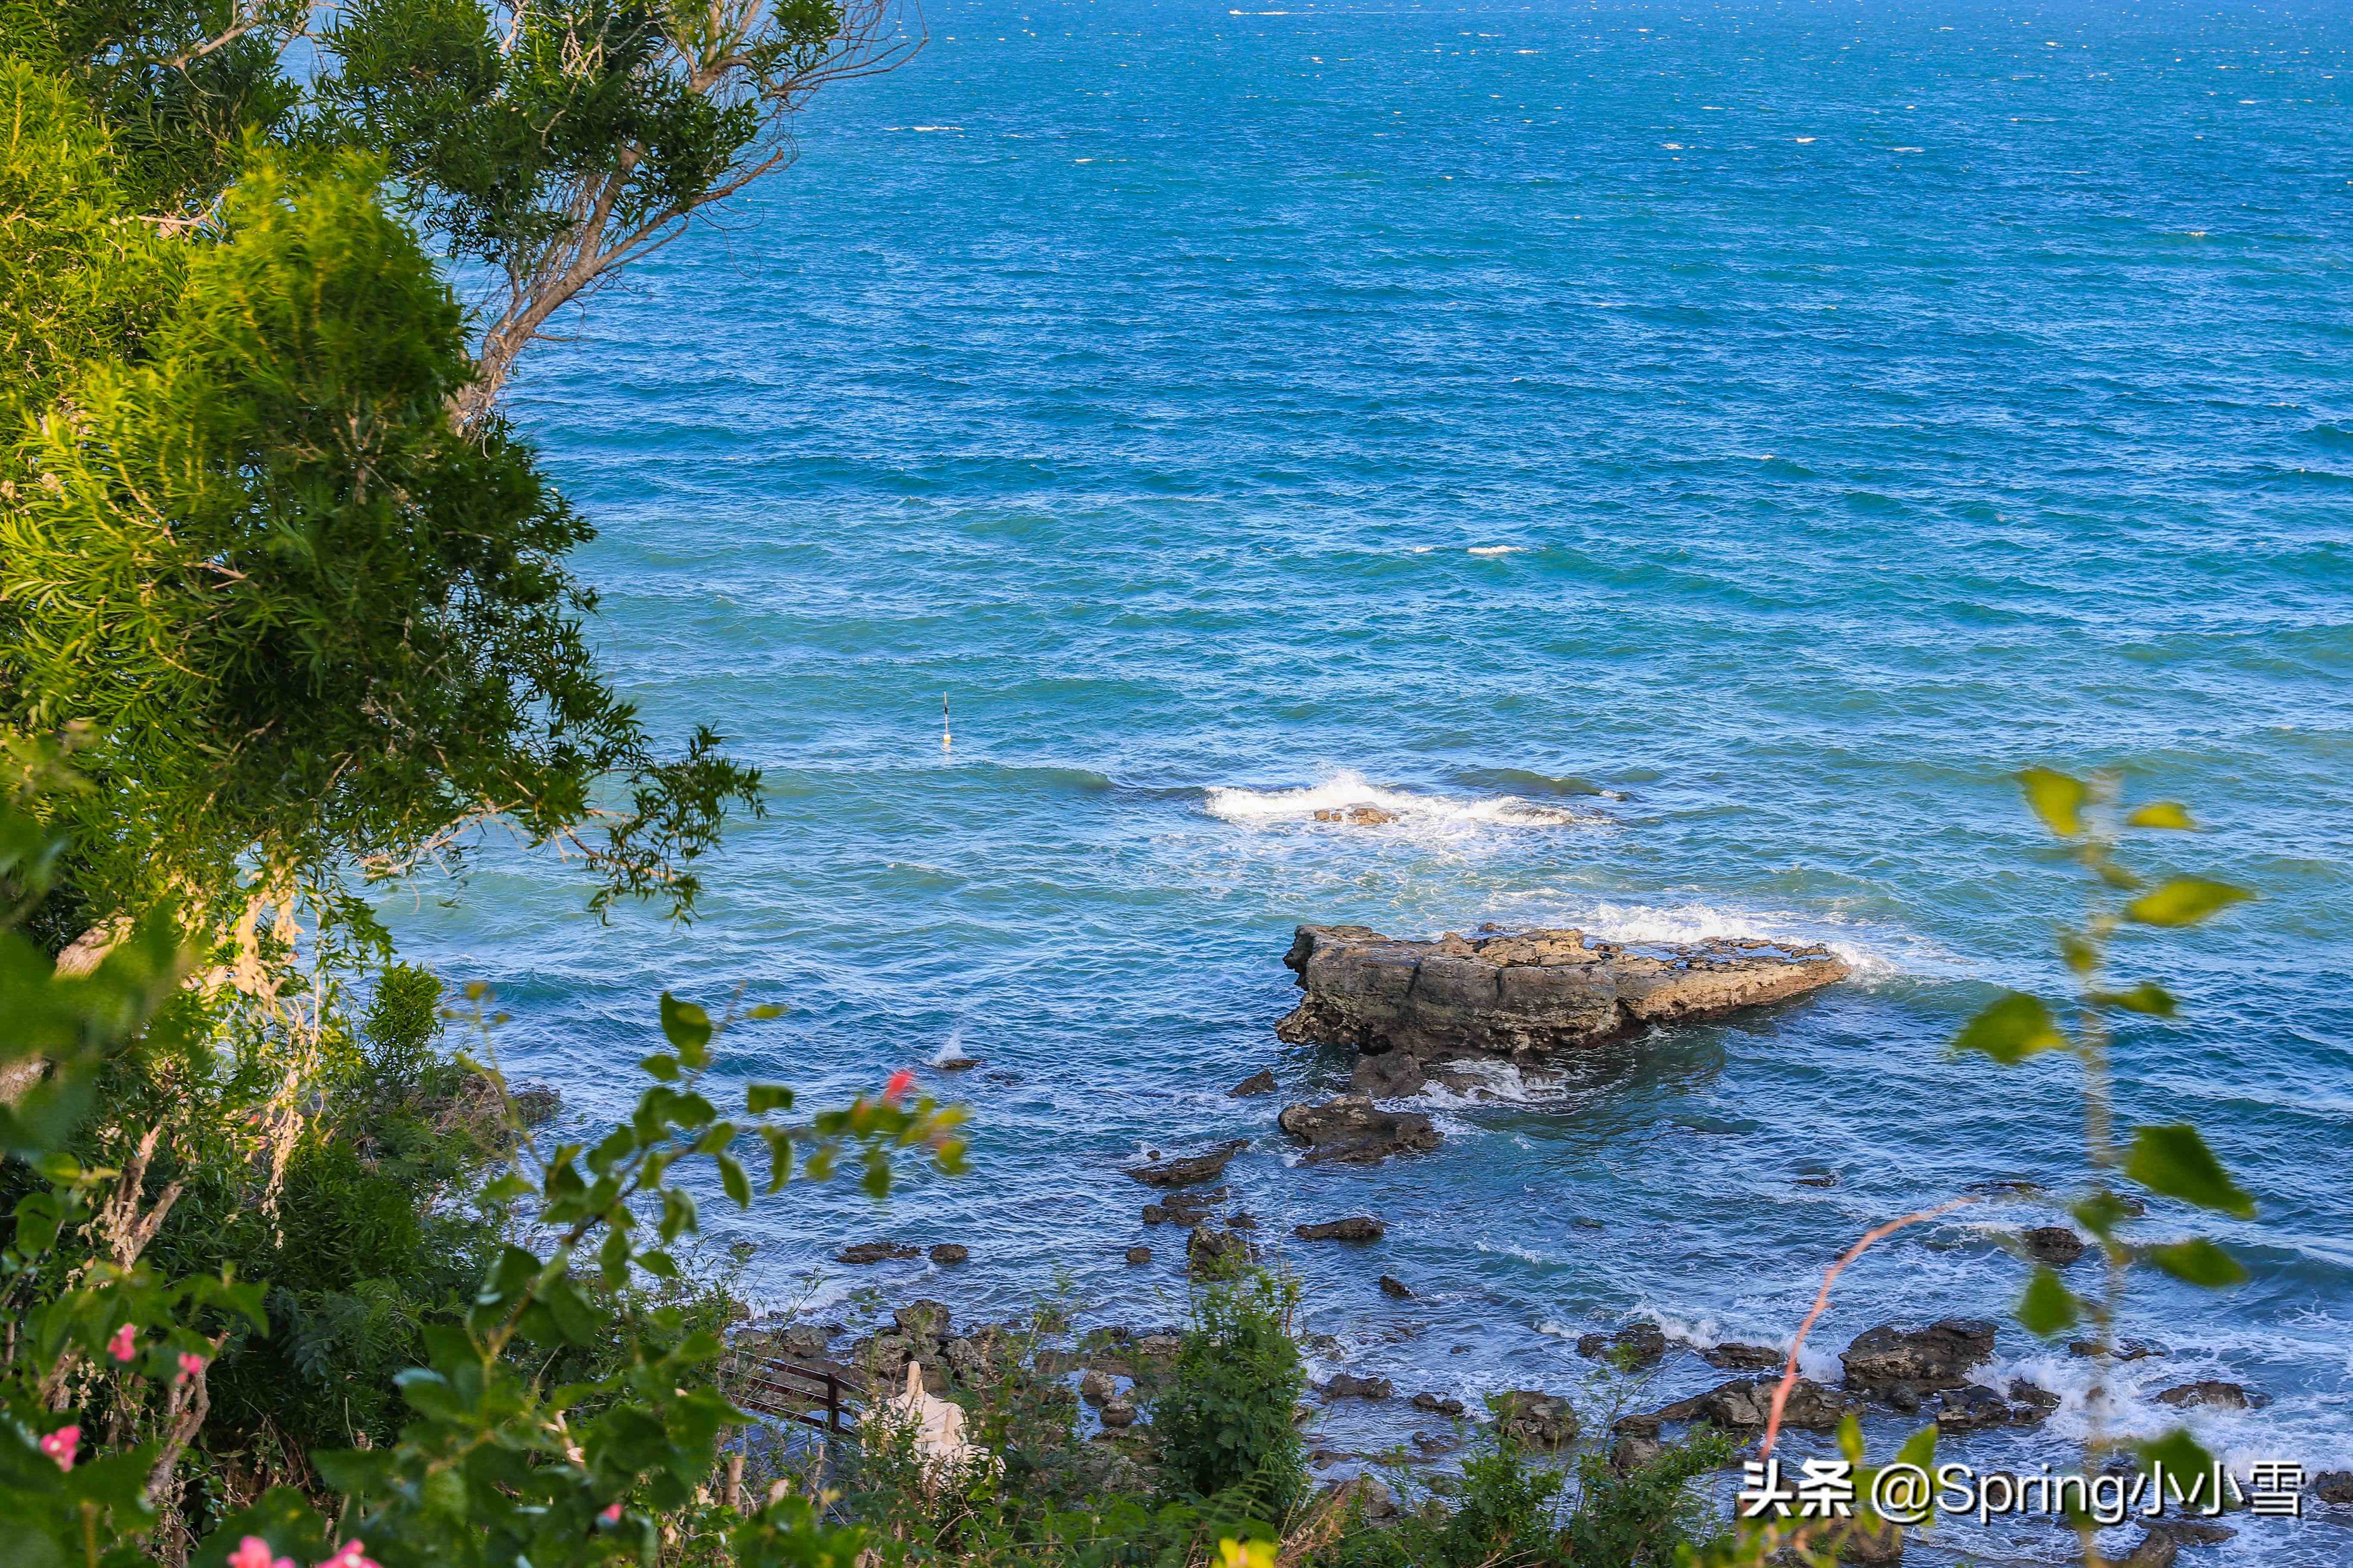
(61, 1445)
(611, 1515)
(351, 1554)
(191, 1363)
(124, 1344)
(900, 1082)
(254, 1553)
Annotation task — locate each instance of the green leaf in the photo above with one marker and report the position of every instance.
(2057, 798)
(2179, 1452)
(2162, 814)
(2145, 997)
(2100, 1213)
(689, 1029)
(767, 1010)
(2175, 1160)
(664, 1066)
(761, 1098)
(1920, 1448)
(2048, 1306)
(2081, 955)
(2011, 1030)
(780, 1157)
(2198, 1262)
(660, 1265)
(2184, 902)
(732, 1177)
(1849, 1439)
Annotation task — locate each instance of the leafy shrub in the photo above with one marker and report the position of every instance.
(1224, 1422)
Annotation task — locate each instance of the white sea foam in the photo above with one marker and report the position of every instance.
(1494, 549)
(1346, 791)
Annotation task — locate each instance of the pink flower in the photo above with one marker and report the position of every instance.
(351, 1554)
(124, 1344)
(61, 1445)
(191, 1363)
(254, 1553)
(611, 1515)
(900, 1082)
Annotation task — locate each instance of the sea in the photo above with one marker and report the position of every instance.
(1676, 461)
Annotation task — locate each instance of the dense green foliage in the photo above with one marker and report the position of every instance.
(1225, 1421)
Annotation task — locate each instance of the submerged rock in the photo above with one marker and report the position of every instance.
(877, 1252)
(1636, 1344)
(1441, 1403)
(1393, 1286)
(1192, 1169)
(2052, 1243)
(1524, 994)
(1926, 1359)
(1733, 1356)
(1353, 1130)
(2215, 1395)
(1356, 1227)
(950, 1252)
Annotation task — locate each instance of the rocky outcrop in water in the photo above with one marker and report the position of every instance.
(1524, 994)
(1353, 1130)
(1191, 1169)
(1887, 1358)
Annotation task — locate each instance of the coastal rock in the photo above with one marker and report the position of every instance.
(1260, 1082)
(1117, 1415)
(1635, 1345)
(877, 1252)
(2030, 1403)
(1098, 1388)
(1342, 1385)
(2334, 1487)
(2052, 1243)
(1191, 1170)
(2154, 1548)
(950, 1252)
(1356, 816)
(1139, 1255)
(1928, 1359)
(1208, 1250)
(1353, 1130)
(1747, 1404)
(1356, 1227)
(1393, 1286)
(1970, 1408)
(2124, 1350)
(1535, 1419)
(922, 1320)
(1389, 1075)
(1733, 1356)
(1526, 994)
(1440, 1404)
(2214, 1394)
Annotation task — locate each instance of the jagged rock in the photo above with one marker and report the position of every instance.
(1524, 994)
(1433, 1442)
(1388, 1075)
(950, 1252)
(2030, 1403)
(2156, 1549)
(1636, 1344)
(1191, 1170)
(1635, 1443)
(1353, 1130)
(1393, 1286)
(1241, 1222)
(2333, 1486)
(2126, 1350)
(1139, 1255)
(2217, 1395)
(1097, 1388)
(1535, 1419)
(1117, 1414)
(1928, 1359)
(877, 1252)
(1746, 1402)
(921, 1321)
(1441, 1403)
(1260, 1082)
(800, 1342)
(1342, 1385)
(1154, 1214)
(1356, 1227)
(1162, 1345)
(1733, 1356)
(1970, 1407)
(2052, 1243)
(1208, 1250)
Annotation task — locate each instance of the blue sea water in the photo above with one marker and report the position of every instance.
(1677, 457)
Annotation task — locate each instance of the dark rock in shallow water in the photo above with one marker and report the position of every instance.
(920, 1321)
(2052, 1244)
(1971, 1407)
(1353, 1130)
(1393, 1286)
(2334, 1487)
(950, 1252)
(1636, 1344)
(1356, 1227)
(2214, 1394)
(1535, 1419)
(1192, 1169)
(877, 1252)
(2155, 1549)
(1341, 1385)
(1733, 1356)
(2124, 1350)
(1928, 1359)
(1260, 1082)
(1524, 994)
(2029, 1402)
(1745, 1404)
(1212, 1251)
(1117, 1414)
(1444, 1405)
(1389, 1075)
(1139, 1255)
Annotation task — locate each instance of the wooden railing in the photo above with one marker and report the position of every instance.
(827, 1398)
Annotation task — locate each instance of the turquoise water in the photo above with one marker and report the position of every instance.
(1678, 459)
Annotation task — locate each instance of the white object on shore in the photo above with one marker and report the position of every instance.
(937, 1424)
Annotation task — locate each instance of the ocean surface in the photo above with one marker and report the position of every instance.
(1678, 459)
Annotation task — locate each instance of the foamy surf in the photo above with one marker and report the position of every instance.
(1347, 799)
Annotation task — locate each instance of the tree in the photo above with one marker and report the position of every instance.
(555, 143)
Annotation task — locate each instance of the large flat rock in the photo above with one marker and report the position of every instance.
(1526, 993)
